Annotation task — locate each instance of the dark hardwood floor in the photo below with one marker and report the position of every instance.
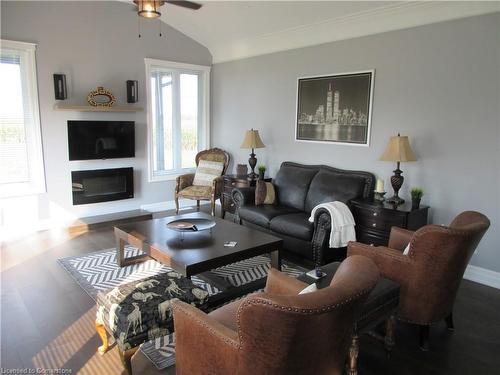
(47, 320)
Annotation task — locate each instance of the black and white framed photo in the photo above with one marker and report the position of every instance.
(335, 108)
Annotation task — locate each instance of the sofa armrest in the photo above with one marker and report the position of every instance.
(392, 263)
(183, 181)
(321, 235)
(399, 238)
(197, 332)
(281, 284)
(243, 196)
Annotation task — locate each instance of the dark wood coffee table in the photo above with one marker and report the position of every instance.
(197, 252)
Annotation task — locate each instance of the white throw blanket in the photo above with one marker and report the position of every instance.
(342, 230)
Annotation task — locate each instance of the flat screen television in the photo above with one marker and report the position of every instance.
(101, 139)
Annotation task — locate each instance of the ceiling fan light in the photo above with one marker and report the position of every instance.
(149, 9)
(149, 13)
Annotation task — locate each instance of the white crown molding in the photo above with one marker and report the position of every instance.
(483, 276)
(400, 15)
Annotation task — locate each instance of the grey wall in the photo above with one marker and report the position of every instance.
(438, 84)
(94, 43)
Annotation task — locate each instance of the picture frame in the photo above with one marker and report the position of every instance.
(335, 108)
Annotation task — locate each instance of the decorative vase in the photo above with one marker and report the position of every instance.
(415, 203)
(261, 175)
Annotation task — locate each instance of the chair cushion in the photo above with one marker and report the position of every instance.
(262, 215)
(264, 193)
(383, 299)
(194, 192)
(329, 186)
(206, 172)
(292, 183)
(295, 225)
(140, 311)
(227, 314)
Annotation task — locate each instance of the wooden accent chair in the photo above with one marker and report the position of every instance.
(432, 271)
(279, 331)
(184, 187)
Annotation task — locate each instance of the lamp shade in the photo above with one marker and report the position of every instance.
(252, 140)
(398, 149)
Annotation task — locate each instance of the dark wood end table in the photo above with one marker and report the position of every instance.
(380, 306)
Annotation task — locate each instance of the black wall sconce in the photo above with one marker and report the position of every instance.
(60, 89)
(132, 91)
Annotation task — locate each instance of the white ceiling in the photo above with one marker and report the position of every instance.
(237, 29)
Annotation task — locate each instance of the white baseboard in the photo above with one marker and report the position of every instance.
(170, 205)
(483, 276)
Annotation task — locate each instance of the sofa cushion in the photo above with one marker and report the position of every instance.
(292, 183)
(296, 225)
(329, 186)
(262, 215)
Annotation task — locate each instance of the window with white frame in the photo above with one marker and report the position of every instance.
(21, 160)
(178, 116)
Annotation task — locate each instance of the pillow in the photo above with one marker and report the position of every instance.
(309, 289)
(206, 172)
(407, 250)
(264, 193)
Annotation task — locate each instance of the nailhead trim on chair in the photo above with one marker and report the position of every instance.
(259, 300)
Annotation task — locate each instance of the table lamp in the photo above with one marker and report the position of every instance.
(398, 150)
(252, 140)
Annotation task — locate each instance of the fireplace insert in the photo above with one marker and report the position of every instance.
(102, 185)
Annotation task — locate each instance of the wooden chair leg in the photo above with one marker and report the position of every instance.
(449, 322)
(125, 357)
(390, 333)
(176, 204)
(352, 362)
(101, 331)
(212, 203)
(424, 338)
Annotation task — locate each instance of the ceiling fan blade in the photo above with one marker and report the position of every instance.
(185, 4)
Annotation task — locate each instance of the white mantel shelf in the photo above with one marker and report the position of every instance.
(88, 108)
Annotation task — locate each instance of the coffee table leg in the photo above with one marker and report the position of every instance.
(276, 259)
(120, 251)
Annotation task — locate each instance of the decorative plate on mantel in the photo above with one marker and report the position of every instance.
(101, 98)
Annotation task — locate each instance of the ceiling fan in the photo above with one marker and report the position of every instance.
(151, 8)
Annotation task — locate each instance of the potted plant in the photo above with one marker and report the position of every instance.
(416, 196)
(262, 171)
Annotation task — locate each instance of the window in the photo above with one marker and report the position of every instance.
(178, 116)
(21, 161)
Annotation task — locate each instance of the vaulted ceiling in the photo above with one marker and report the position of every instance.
(237, 29)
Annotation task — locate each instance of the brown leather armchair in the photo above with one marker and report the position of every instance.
(432, 271)
(278, 331)
(184, 187)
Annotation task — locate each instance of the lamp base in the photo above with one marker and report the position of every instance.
(252, 161)
(396, 182)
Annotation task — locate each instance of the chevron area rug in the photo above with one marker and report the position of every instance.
(99, 271)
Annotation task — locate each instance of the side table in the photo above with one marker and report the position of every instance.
(232, 181)
(380, 306)
(374, 220)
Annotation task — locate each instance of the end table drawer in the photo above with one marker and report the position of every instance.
(235, 183)
(365, 236)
